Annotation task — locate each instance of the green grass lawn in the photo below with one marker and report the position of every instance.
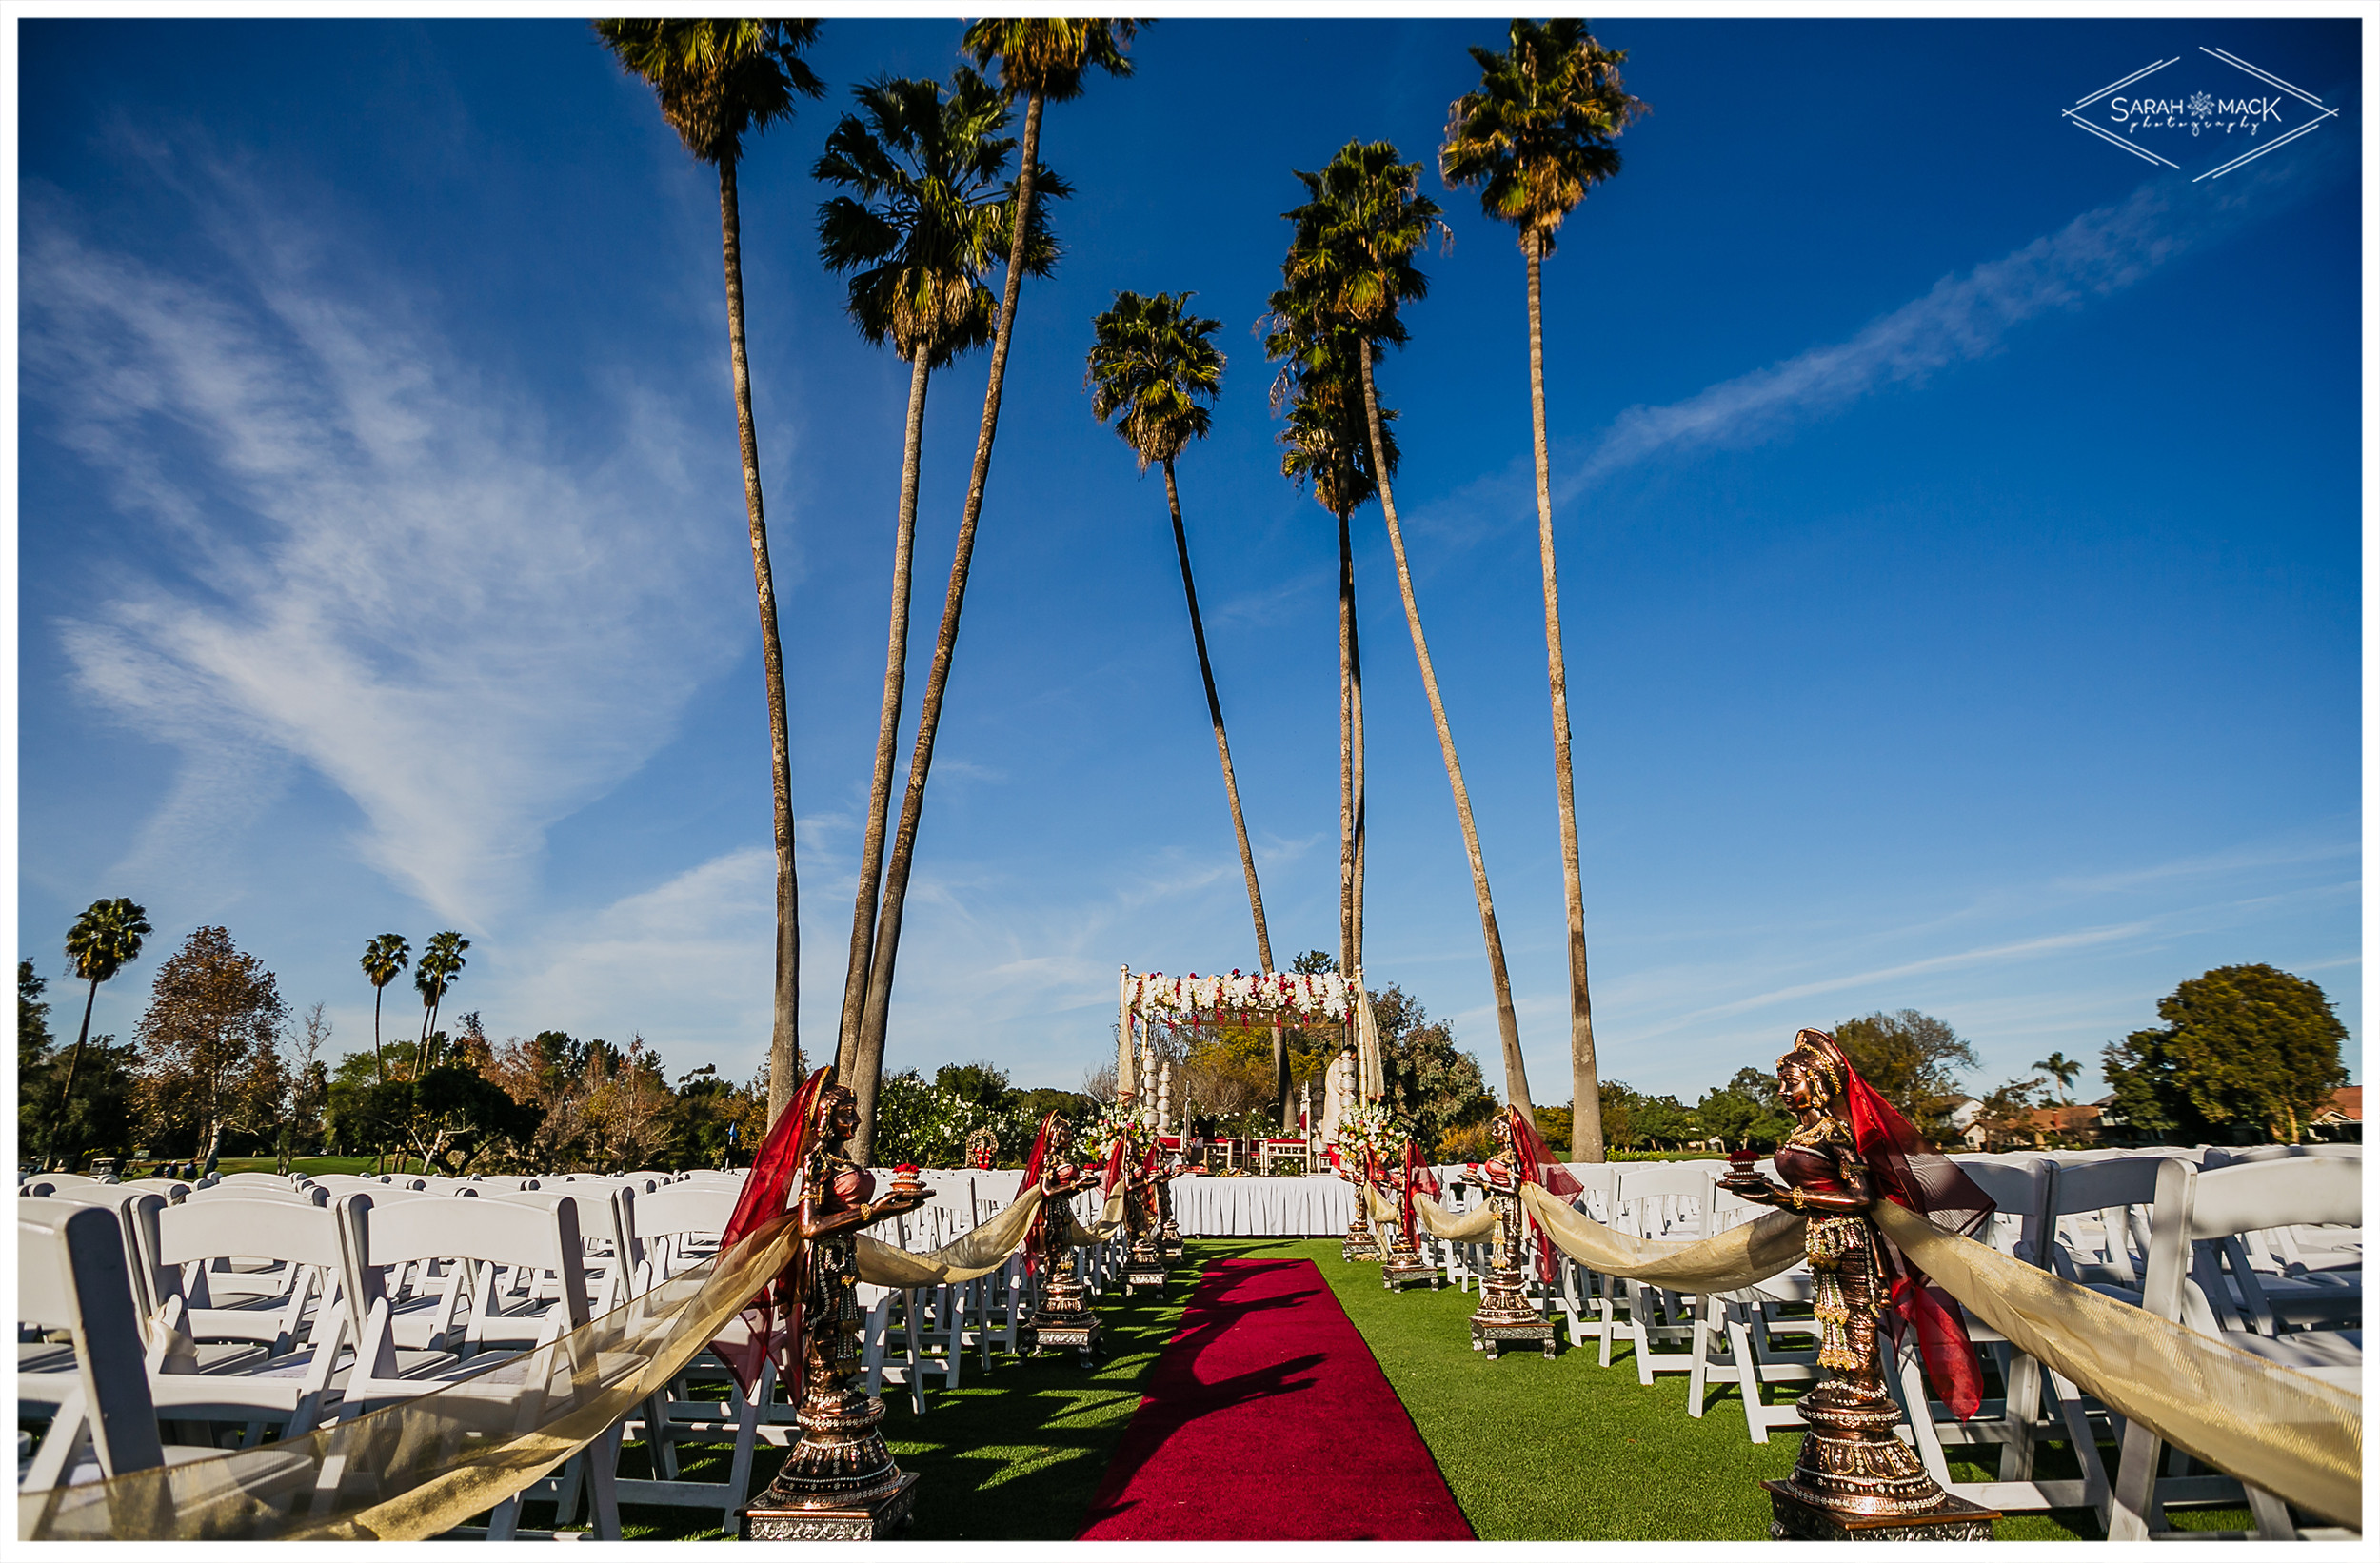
(1531, 1450)
(312, 1166)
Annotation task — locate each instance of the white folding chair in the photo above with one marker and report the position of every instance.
(287, 1385)
(1662, 1201)
(664, 1232)
(532, 1231)
(2027, 1412)
(2188, 1280)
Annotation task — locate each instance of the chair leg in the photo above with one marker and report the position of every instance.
(2136, 1485)
(602, 1469)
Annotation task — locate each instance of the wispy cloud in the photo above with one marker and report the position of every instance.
(375, 561)
(1961, 318)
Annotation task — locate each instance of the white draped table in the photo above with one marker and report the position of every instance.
(1262, 1207)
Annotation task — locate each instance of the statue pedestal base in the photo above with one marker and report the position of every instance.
(1493, 1336)
(1056, 1332)
(1404, 1267)
(870, 1521)
(1061, 1320)
(1793, 1518)
(1854, 1480)
(1144, 1275)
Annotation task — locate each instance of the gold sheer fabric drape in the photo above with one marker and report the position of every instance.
(972, 1253)
(1111, 1221)
(1729, 1262)
(1470, 1227)
(2285, 1432)
(424, 1465)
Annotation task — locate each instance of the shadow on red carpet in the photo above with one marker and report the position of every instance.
(1268, 1418)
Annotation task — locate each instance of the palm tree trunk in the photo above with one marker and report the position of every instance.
(1516, 1072)
(74, 1065)
(1355, 712)
(784, 1040)
(380, 1064)
(887, 734)
(869, 1056)
(1215, 715)
(1586, 1120)
(1347, 753)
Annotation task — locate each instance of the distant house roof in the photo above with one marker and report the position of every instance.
(2054, 1121)
(2345, 1106)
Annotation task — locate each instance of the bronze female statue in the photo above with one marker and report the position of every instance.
(1061, 1315)
(840, 1462)
(1825, 1179)
(1849, 1148)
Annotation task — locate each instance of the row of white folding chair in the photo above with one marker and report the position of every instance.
(2108, 1213)
(71, 1277)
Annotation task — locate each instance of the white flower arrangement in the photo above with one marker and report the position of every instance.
(1369, 1128)
(1095, 1140)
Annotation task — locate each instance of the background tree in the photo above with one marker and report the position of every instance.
(441, 963)
(719, 81)
(1535, 137)
(2007, 1112)
(210, 1040)
(1045, 61)
(33, 1046)
(383, 957)
(104, 941)
(1151, 369)
(1745, 1110)
(2245, 1050)
(629, 1109)
(1911, 1060)
(2060, 1068)
(1351, 265)
(309, 1086)
(1433, 1083)
(927, 215)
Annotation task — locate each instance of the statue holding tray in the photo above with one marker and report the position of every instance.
(1854, 1479)
(839, 1482)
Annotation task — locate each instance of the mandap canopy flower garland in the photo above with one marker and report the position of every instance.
(1322, 994)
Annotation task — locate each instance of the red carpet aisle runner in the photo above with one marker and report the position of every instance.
(1267, 1418)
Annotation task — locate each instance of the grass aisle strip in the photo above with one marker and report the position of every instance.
(1267, 1419)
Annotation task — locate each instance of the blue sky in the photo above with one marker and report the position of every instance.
(1959, 522)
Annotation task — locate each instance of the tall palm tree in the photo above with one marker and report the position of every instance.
(1044, 61)
(1151, 366)
(383, 957)
(1535, 138)
(1350, 264)
(720, 80)
(104, 941)
(1325, 443)
(928, 214)
(2061, 1069)
(441, 963)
